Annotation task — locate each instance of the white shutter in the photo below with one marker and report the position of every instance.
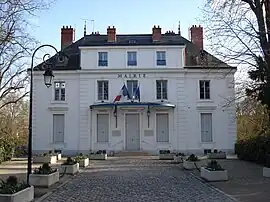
(206, 127)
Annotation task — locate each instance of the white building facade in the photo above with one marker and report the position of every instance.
(185, 100)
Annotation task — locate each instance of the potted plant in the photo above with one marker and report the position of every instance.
(178, 157)
(82, 160)
(13, 191)
(44, 176)
(45, 158)
(214, 172)
(58, 154)
(192, 162)
(216, 155)
(166, 155)
(99, 155)
(70, 166)
(266, 168)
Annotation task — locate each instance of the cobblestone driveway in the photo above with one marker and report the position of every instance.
(135, 179)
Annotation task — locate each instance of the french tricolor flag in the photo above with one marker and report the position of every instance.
(122, 94)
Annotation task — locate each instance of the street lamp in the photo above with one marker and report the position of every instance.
(48, 76)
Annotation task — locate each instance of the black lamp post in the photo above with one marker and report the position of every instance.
(148, 115)
(115, 115)
(48, 76)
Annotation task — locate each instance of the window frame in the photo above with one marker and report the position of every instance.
(61, 90)
(103, 59)
(161, 58)
(130, 60)
(131, 93)
(102, 82)
(162, 97)
(205, 95)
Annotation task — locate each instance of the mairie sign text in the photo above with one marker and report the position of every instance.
(131, 76)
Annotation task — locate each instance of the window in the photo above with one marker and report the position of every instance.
(204, 89)
(58, 128)
(103, 90)
(132, 86)
(59, 91)
(206, 127)
(102, 58)
(132, 41)
(132, 58)
(161, 87)
(161, 58)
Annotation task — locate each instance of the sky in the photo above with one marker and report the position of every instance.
(128, 16)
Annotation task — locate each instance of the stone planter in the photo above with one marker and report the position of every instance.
(178, 159)
(98, 156)
(45, 159)
(84, 162)
(189, 165)
(25, 195)
(59, 156)
(219, 175)
(266, 172)
(220, 155)
(42, 180)
(70, 169)
(169, 156)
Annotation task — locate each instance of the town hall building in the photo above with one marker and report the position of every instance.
(135, 92)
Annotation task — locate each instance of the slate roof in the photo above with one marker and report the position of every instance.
(193, 54)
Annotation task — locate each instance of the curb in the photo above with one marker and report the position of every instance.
(213, 187)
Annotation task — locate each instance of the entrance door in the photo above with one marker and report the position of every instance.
(132, 132)
(58, 128)
(206, 127)
(162, 127)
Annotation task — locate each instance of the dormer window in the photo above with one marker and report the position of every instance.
(132, 41)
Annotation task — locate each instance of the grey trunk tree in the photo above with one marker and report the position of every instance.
(239, 33)
(16, 46)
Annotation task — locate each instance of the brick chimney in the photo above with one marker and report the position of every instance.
(111, 33)
(67, 36)
(196, 36)
(156, 33)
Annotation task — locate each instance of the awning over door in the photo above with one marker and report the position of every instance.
(133, 104)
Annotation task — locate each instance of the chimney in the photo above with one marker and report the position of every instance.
(156, 33)
(111, 33)
(196, 34)
(67, 36)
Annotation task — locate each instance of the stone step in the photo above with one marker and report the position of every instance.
(132, 153)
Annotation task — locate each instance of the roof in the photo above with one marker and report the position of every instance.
(192, 52)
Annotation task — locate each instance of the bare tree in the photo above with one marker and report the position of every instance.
(239, 34)
(14, 120)
(16, 45)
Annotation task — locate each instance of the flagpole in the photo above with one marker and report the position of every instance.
(139, 92)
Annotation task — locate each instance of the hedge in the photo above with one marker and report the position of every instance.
(255, 149)
(6, 150)
(9, 148)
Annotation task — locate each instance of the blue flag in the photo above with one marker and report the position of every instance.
(138, 93)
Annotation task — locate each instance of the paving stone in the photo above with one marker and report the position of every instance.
(135, 180)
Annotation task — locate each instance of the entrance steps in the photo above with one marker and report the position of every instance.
(132, 153)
